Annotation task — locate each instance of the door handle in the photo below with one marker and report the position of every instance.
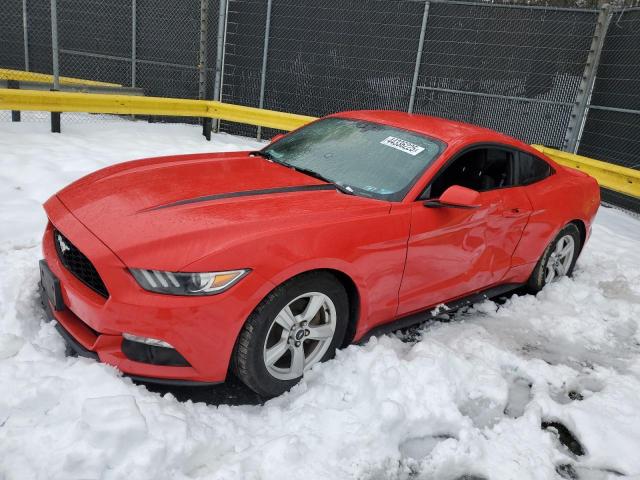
(514, 212)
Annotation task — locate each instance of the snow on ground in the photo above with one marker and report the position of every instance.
(458, 399)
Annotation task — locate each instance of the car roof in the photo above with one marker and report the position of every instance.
(449, 131)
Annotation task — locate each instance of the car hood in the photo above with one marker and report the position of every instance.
(165, 213)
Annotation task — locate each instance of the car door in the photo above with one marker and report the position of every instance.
(453, 251)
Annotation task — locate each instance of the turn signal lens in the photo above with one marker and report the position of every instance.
(180, 283)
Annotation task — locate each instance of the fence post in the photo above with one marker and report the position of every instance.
(416, 70)
(580, 107)
(265, 51)
(25, 34)
(55, 60)
(134, 42)
(202, 64)
(223, 8)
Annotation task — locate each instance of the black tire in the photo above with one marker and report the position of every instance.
(537, 279)
(248, 361)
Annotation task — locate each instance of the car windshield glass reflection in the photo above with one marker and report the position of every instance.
(365, 158)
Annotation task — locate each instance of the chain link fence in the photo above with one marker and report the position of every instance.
(515, 70)
(612, 128)
(243, 53)
(95, 40)
(11, 37)
(145, 46)
(538, 73)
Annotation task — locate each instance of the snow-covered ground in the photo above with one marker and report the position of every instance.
(460, 399)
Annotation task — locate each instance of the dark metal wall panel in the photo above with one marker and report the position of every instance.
(39, 26)
(95, 26)
(96, 43)
(11, 46)
(87, 28)
(536, 57)
(620, 200)
(168, 81)
(323, 56)
(530, 121)
(243, 58)
(169, 31)
(618, 79)
(338, 55)
(611, 135)
(533, 53)
(114, 70)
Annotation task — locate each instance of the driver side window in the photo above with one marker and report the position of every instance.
(480, 169)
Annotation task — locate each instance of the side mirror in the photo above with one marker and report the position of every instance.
(456, 197)
(277, 137)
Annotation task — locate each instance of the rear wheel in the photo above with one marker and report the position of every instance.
(558, 259)
(298, 325)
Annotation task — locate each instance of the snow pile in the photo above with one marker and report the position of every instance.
(469, 397)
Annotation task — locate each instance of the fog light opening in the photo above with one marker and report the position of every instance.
(147, 340)
(152, 351)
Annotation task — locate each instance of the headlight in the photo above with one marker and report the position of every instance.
(179, 283)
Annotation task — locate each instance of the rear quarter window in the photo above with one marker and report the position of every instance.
(531, 169)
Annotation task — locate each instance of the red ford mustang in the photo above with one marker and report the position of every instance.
(179, 269)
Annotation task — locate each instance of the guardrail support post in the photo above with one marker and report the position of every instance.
(15, 114)
(416, 70)
(207, 127)
(202, 64)
(55, 60)
(581, 105)
(222, 33)
(265, 52)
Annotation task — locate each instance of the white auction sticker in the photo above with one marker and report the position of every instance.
(402, 145)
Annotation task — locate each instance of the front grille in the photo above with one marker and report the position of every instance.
(78, 264)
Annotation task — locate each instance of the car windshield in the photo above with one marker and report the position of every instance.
(361, 157)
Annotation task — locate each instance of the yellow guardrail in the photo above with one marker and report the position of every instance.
(128, 105)
(614, 177)
(24, 76)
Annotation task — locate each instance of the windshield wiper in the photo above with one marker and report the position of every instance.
(262, 153)
(346, 189)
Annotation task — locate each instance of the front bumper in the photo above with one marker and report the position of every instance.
(201, 329)
(75, 348)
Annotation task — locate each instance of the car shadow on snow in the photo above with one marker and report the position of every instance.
(231, 392)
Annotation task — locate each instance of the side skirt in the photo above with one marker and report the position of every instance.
(432, 312)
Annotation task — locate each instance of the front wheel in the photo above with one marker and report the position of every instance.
(299, 324)
(558, 259)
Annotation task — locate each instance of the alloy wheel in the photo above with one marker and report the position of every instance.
(560, 259)
(299, 335)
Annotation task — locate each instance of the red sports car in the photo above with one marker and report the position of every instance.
(180, 269)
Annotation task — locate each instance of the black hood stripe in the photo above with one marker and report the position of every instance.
(246, 193)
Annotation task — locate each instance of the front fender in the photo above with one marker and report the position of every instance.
(369, 249)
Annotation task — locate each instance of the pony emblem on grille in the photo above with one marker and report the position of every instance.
(62, 244)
